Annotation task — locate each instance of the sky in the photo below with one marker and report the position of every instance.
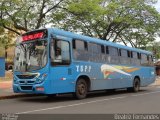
(157, 5)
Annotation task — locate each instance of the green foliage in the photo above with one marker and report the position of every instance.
(6, 40)
(155, 48)
(2, 51)
(25, 15)
(128, 21)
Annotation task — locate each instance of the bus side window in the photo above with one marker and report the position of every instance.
(139, 55)
(150, 59)
(113, 55)
(60, 52)
(79, 45)
(134, 58)
(80, 49)
(124, 56)
(144, 60)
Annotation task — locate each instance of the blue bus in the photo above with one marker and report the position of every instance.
(53, 61)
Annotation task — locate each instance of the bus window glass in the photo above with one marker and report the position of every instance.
(144, 60)
(30, 55)
(94, 52)
(81, 51)
(113, 55)
(96, 48)
(124, 59)
(134, 58)
(124, 53)
(135, 55)
(150, 60)
(79, 45)
(113, 51)
(61, 52)
(139, 55)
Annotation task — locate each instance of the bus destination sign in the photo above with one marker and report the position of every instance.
(32, 36)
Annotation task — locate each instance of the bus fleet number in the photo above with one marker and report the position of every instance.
(83, 68)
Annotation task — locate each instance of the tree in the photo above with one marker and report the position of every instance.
(129, 21)
(6, 41)
(155, 48)
(25, 15)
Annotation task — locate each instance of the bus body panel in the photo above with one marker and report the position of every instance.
(61, 79)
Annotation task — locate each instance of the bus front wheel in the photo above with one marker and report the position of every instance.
(81, 89)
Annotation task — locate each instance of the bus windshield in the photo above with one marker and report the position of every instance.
(30, 56)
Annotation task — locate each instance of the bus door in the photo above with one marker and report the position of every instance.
(60, 70)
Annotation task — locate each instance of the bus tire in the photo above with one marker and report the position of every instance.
(81, 89)
(136, 85)
(51, 96)
(111, 90)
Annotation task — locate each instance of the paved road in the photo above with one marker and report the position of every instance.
(145, 101)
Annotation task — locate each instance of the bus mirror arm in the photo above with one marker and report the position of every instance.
(51, 50)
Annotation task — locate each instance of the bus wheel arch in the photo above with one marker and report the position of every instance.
(138, 78)
(82, 87)
(135, 85)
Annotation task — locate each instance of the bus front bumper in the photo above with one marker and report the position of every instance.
(35, 89)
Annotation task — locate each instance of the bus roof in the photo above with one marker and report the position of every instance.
(95, 40)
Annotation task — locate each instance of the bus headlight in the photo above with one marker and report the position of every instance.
(15, 80)
(41, 78)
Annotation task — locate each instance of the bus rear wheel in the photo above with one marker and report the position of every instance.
(51, 96)
(81, 89)
(136, 85)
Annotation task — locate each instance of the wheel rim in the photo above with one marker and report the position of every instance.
(81, 89)
(137, 85)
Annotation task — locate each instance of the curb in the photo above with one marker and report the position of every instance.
(18, 96)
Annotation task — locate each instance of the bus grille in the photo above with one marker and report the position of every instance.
(27, 76)
(26, 87)
(26, 82)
